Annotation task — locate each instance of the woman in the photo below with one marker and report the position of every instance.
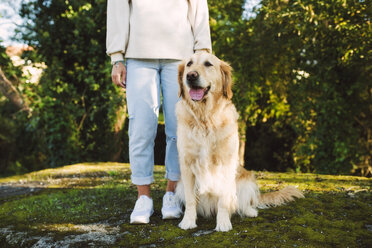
(154, 36)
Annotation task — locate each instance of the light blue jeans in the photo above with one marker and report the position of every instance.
(147, 80)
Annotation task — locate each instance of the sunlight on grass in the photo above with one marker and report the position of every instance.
(76, 170)
(97, 199)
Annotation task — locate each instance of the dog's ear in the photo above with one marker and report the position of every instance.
(226, 79)
(181, 69)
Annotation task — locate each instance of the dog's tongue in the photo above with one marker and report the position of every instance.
(196, 94)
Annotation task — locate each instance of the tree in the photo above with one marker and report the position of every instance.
(78, 109)
(302, 84)
(239, 41)
(14, 112)
(302, 72)
(328, 88)
(10, 92)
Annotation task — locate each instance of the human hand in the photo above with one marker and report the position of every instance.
(119, 74)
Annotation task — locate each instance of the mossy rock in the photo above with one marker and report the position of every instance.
(89, 204)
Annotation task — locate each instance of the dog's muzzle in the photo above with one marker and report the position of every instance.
(196, 91)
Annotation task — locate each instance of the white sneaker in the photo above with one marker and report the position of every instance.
(142, 211)
(171, 207)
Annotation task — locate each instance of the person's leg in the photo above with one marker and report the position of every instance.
(168, 77)
(143, 101)
(143, 190)
(169, 87)
(171, 186)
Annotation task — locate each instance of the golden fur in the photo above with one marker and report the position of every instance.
(212, 182)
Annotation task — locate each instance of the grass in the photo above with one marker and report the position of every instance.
(89, 204)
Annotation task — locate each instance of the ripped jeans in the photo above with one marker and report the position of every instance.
(147, 80)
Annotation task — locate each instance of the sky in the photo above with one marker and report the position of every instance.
(9, 18)
(249, 6)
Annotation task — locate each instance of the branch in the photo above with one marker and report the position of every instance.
(10, 92)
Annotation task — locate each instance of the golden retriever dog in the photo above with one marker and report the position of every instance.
(212, 181)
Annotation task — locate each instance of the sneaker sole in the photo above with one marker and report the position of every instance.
(141, 219)
(169, 217)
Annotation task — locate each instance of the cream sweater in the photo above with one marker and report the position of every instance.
(157, 29)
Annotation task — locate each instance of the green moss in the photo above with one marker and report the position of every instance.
(91, 203)
(72, 206)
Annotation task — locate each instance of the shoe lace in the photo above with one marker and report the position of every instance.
(170, 201)
(140, 204)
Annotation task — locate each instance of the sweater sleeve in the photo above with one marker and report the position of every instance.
(117, 28)
(199, 19)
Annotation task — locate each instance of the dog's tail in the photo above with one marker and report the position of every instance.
(276, 198)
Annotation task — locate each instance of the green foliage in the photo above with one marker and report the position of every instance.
(302, 85)
(304, 66)
(263, 109)
(7, 66)
(326, 64)
(12, 122)
(76, 104)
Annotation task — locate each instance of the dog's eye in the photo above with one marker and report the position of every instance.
(189, 64)
(208, 64)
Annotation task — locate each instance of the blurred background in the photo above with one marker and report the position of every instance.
(302, 84)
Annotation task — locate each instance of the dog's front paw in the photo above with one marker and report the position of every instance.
(251, 212)
(223, 226)
(187, 223)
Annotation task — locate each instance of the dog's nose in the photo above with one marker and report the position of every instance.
(192, 76)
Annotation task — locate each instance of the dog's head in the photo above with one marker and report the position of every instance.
(203, 76)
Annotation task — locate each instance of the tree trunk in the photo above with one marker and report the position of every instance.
(365, 166)
(11, 93)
